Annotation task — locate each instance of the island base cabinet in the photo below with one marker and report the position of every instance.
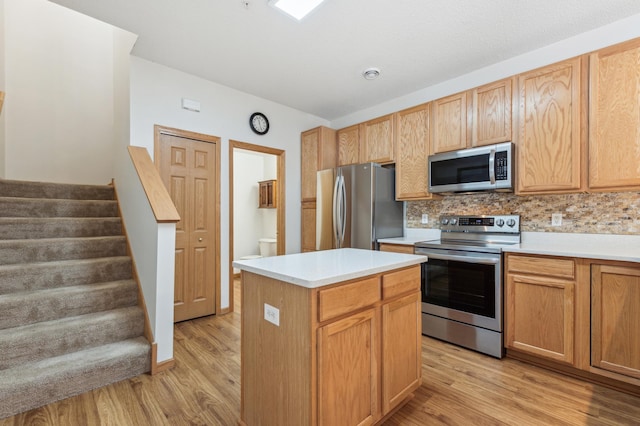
(615, 307)
(401, 350)
(347, 371)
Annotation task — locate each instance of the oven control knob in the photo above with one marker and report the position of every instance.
(453, 221)
(511, 222)
(500, 222)
(445, 221)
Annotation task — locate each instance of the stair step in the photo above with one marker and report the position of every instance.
(47, 275)
(12, 228)
(40, 207)
(24, 308)
(53, 249)
(26, 189)
(32, 385)
(30, 343)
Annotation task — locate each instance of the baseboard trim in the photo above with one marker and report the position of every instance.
(157, 367)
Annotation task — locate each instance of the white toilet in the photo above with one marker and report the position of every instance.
(268, 247)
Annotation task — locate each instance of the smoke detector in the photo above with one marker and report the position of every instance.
(371, 73)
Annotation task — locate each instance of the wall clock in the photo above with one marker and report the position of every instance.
(259, 123)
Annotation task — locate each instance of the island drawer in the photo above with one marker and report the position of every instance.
(346, 298)
(400, 282)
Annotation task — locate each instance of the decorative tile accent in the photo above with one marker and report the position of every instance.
(597, 213)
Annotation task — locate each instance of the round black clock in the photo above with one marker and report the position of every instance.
(259, 123)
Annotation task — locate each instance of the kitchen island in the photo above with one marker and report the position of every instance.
(329, 337)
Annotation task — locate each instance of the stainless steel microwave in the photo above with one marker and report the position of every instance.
(486, 168)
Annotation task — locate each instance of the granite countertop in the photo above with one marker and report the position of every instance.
(591, 246)
(320, 268)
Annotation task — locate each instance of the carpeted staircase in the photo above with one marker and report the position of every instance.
(69, 319)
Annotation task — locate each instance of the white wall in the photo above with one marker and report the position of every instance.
(156, 93)
(59, 81)
(616, 32)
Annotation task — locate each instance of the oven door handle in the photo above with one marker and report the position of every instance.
(467, 259)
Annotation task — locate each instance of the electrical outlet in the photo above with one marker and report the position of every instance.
(272, 314)
(425, 219)
(556, 219)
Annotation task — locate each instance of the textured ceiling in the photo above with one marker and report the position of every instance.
(315, 65)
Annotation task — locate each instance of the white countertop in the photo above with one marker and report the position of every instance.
(592, 246)
(412, 236)
(320, 268)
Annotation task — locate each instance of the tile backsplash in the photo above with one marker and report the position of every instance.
(597, 213)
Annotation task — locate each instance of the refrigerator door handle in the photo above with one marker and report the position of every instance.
(343, 210)
(334, 208)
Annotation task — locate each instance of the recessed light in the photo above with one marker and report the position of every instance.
(296, 8)
(371, 73)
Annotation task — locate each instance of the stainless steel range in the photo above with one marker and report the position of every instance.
(462, 300)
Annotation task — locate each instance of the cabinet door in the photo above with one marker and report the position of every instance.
(401, 350)
(492, 113)
(412, 150)
(318, 152)
(308, 226)
(449, 126)
(348, 145)
(348, 371)
(615, 316)
(540, 316)
(309, 163)
(376, 140)
(550, 143)
(614, 118)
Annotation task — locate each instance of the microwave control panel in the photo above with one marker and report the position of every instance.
(501, 166)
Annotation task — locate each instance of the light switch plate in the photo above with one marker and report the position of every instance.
(272, 314)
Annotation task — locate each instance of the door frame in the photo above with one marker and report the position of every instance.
(280, 196)
(159, 130)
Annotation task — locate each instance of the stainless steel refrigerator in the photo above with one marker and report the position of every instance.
(355, 206)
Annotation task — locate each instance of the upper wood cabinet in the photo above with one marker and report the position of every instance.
(412, 151)
(318, 152)
(550, 142)
(615, 316)
(614, 118)
(349, 145)
(267, 191)
(449, 123)
(491, 116)
(377, 140)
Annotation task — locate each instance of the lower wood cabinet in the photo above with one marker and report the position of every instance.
(615, 319)
(540, 303)
(579, 313)
(348, 370)
(308, 226)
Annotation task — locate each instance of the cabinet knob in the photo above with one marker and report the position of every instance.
(200, 239)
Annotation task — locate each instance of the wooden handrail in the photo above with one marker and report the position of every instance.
(163, 208)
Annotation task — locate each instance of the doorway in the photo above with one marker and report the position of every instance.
(189, 165)
(253, 164)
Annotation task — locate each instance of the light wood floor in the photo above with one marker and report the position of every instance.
(460, 387)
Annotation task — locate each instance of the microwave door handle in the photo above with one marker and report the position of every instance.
(467, 259)
(492, 167)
